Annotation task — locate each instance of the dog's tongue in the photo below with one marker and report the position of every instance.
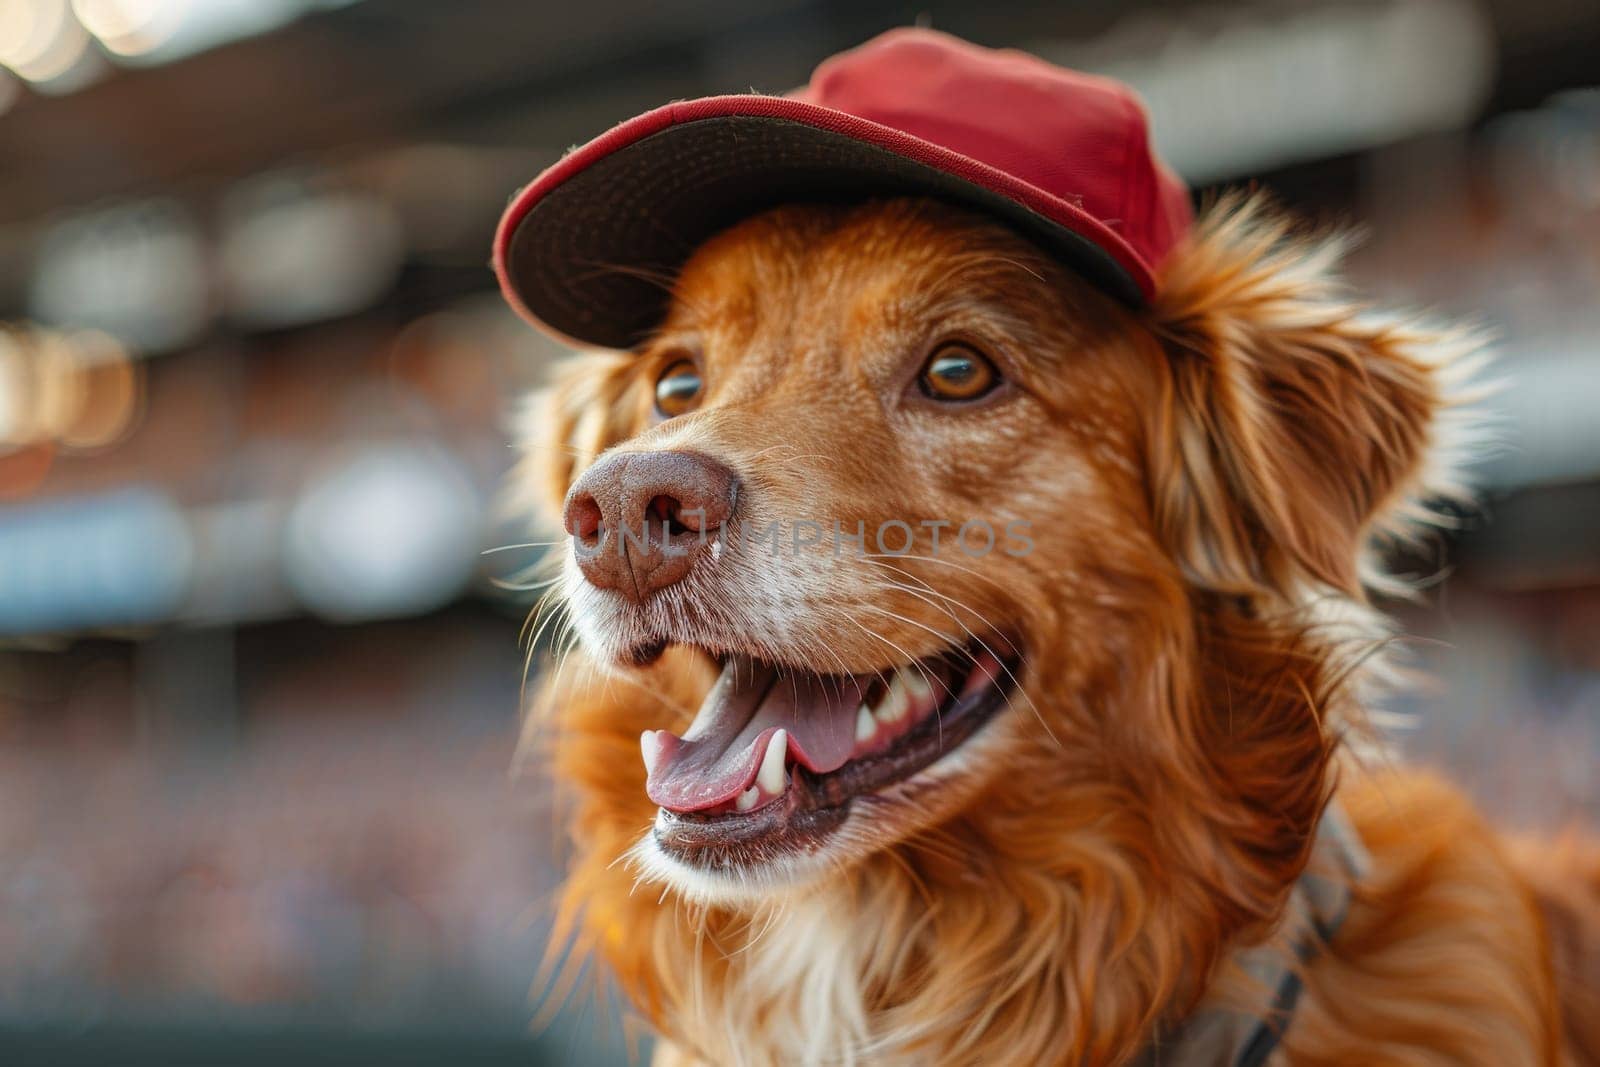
(718, 756)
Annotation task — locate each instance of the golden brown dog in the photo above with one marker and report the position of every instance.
(1094, 759)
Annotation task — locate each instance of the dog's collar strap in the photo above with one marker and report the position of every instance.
(1223, 1037)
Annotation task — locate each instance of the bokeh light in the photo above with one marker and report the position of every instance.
(390, 530)
(78, 390)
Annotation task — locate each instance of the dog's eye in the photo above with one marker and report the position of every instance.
(956, 372)
(678, 389)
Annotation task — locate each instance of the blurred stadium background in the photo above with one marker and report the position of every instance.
(258, 681)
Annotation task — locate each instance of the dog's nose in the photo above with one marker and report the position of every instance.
(641, 520)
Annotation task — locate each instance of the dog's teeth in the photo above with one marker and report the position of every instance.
(895, 702)
(866, 725)
(650, 747)
(748, 799)
(918, 690)
(770, 777)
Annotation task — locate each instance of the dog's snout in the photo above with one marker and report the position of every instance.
(641, 519)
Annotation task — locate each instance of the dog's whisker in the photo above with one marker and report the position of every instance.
(522, 587)
(522, 544)
(1016, 687)
(1016, 684)
(941, 560)
(553, 607)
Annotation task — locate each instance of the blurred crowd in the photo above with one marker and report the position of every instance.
(296, 882)
(362, 855)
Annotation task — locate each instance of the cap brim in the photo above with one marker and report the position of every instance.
(589, 250)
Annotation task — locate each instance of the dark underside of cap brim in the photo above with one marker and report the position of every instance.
(593, 257)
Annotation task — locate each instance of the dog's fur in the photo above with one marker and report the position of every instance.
(1206, 479)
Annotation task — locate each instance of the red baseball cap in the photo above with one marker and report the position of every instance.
(1063, 157)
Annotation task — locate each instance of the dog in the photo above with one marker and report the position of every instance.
(971, 559)
(1174, 682)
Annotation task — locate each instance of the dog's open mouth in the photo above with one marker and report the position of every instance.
(774, 757)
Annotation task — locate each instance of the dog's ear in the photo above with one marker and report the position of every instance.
(594, 401)
(1293, 425)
